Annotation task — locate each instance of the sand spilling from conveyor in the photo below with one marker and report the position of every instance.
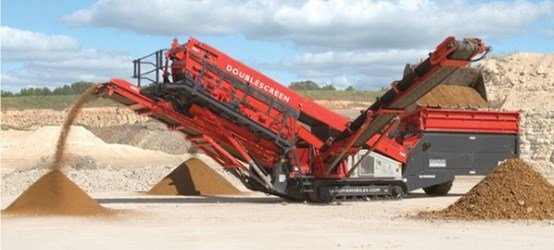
(513, 191)
(194, 177)
(54, 193)
(66, 128)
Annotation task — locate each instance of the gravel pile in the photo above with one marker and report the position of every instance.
(193, 177)
(513, 191)
(452, 96)
(55, 194)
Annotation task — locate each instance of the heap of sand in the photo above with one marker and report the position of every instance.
(55, 194)
(194, 177)
(452, 96)
(513, 191)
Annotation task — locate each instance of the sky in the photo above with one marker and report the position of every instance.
(362, 43)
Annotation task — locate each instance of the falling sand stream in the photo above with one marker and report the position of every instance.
(54, 193)
(66, 127)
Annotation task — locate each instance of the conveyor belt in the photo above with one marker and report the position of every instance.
(414, 85)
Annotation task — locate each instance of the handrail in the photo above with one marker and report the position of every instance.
(157, 66)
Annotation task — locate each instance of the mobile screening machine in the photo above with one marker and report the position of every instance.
(278, 142)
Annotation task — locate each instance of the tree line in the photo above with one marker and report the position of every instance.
(75, 88)
(311, 85)
(78, 88)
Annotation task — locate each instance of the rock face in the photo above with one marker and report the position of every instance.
(151, 135)
(520, 81)
(537, 139)
(95, 117)
(525, 82)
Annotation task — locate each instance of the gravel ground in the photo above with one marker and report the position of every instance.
(258, 221)
(107, 179)
(91, 180)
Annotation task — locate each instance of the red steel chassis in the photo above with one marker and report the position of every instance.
(291, 119)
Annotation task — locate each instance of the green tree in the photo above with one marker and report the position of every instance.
(81, 87)
(31, 91)
(350, 88)
(71, 89)
(45, 91)
(304, 85)
(64, 90)
(328, 87)
(6, 93)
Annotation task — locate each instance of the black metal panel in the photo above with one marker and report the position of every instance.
(330, 193)
(325, 190)
(187, 90)
(440, 156)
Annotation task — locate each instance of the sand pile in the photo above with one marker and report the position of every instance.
(31, 149)
(513, 191)
(193, 177)
(55, 194)
(452, 96)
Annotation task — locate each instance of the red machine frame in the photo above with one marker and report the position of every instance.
(287, 120)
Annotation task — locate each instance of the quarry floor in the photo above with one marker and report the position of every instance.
(254, 220)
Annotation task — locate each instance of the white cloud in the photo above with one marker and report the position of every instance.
(320, 25)
(360, 42)
(329, 63)
(22, 45)
(54, 60)
(363, 69)
(22, 40)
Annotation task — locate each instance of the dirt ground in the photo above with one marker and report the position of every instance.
(148, 222)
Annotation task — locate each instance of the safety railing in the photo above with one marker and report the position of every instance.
(150, 68)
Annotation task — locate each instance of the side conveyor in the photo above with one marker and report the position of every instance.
(448, 57)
